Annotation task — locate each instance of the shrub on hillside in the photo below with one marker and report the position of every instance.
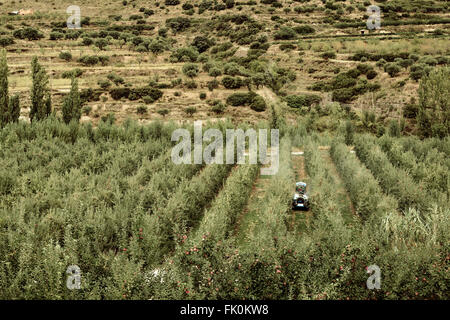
(240, 98)
(104, 84)
(328, 55)
(93, 60)
(232, 82)
(213, 84)
(364, 68)
(202, 43)
(218, 107)
(190, 69)
(392, 69)
(232, 69)
(87, 41)
(77, 72)
(6, 41)
(88, 95)
(65, 55)
(255, 101)
(215, 72)
(136, 93)
(187, 54)
(190, 110)
(298, 101)
(285, 33)
(371, 74)
(258, 104)
(343, 95)
(28, 33)
(304, 29)
(178, 24)
(342, 80)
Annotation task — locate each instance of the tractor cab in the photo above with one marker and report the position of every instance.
(300, 187)
(300, 199)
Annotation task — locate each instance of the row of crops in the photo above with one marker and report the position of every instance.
(111, 201)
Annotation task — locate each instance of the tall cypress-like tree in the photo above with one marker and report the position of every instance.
(71, 108)
(40, 92)
(4, 97)
(14, 108)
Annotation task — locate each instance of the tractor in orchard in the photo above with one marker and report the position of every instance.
(300, 199)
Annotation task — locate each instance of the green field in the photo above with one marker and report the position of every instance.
(110, 201)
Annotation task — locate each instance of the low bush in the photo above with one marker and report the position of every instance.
(392, 69)
(285, 33)
(28, 33)
(307, 100)
(178, 24)
(304, 29)
(232, 82)
(93, 60)
(136, 93)
(72, 73)
(6, 41)
(65, 55)
(328, 55)
(188, 54)
(255, 101)
(190, 70)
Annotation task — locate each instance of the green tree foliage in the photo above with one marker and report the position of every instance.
(393, 181)
(40, 92)
(349, 132)
(9, 106)
(215, 72)
(202, 43)
(163, 112)
(71, 108)
(285, 33)
(304, 29)
(202, 227)
(252, 99)
(28, 33)
(364, 190)
(433, 115)
(307, 100)
(328, 55)
(191, 70)
(258, 79)
(190, 111)
(6, 41)
(178, 24)
(171, 2)
(392, 69)
(14, 108)
(101, 43)
(185, 54)
(232, 82)
(4, 97)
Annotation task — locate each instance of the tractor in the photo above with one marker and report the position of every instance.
(300, 199)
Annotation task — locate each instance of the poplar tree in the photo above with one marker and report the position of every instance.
(14, 108)
(71, 108)
(4, 114)
(41, 104)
